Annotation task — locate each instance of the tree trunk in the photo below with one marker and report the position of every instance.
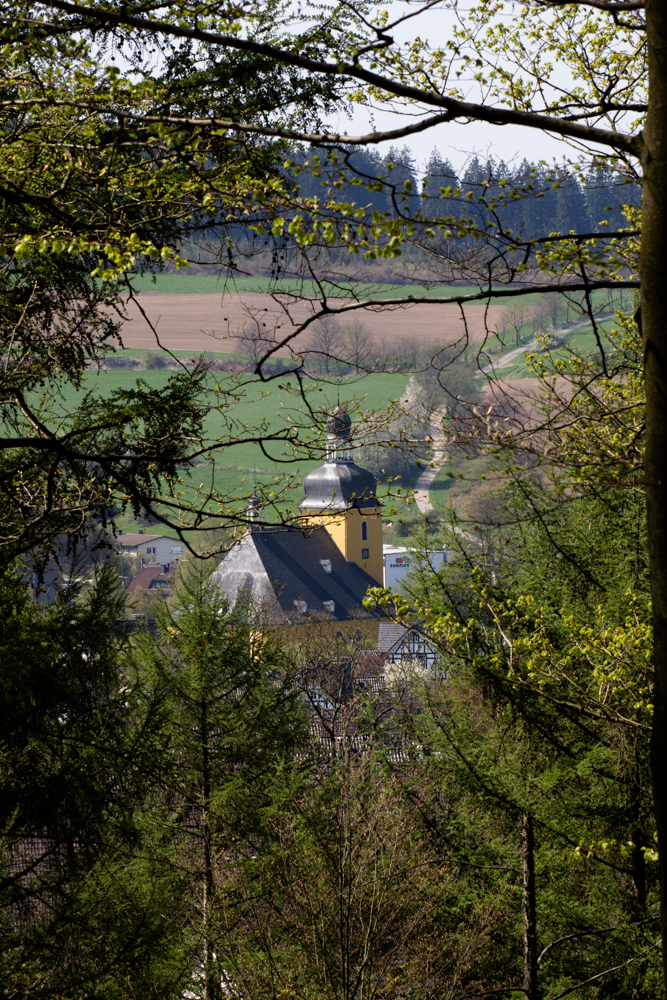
(529, 916)
(639, 842)
(653, 283)
(211, 982)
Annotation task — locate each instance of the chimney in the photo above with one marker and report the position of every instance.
(165, 568)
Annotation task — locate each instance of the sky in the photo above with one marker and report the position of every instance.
(456, 141)
(459, 142)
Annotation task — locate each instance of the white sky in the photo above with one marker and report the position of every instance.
(456, 141)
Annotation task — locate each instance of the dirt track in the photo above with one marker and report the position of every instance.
(211, 322)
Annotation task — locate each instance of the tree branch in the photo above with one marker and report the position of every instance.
(610, 6)
(602, 930)
(407, 300)
(212, 122)
(606, 972)
(457, 108)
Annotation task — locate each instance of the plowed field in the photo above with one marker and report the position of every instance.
(213, 322)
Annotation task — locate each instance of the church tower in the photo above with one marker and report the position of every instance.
(341, 498)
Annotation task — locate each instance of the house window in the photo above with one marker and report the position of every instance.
(175, 550)
(330, 606)
(151, 551)
(364, 553)
(364, 531)
(301, 606)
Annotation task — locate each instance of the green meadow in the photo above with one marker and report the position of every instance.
(184, 283)
(235, 469)
(255, 405)
(581, 341)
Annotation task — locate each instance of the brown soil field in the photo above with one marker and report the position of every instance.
(212, 322)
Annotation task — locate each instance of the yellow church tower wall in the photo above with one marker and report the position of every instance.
(359, 545)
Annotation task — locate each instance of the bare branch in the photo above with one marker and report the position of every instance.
(611, 6)
(601, 930)
(407, 300)
(607, 972)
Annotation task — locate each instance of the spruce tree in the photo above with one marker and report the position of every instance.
(232, 725)
(74, 770)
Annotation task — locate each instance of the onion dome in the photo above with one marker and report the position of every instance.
(339, 486)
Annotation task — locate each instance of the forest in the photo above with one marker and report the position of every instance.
(553, 198)
(215, 806)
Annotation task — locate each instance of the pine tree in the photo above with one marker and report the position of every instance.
(232, 725)
(74, 770)
(439, 174)
(542, 715)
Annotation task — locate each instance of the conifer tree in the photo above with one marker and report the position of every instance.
(77, 920)
(543, 710)
(232, 725)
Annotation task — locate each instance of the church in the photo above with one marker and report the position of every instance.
(320, 570)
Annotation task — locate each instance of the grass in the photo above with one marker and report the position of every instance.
(182, 283)
(582, 341)
(236, 468)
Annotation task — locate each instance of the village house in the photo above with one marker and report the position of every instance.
(154, 577)
(162, 548)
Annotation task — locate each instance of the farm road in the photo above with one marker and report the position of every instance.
(425, 481)
(207, 321)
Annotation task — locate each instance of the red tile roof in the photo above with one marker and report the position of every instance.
(132, 539)
(153, 578)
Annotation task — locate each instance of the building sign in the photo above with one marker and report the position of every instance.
(398, 563)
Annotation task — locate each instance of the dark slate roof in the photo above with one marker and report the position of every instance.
(273, 567)
(338, 486)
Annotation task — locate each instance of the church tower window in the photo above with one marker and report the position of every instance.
(364, 531)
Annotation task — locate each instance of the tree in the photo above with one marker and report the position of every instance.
(358, 346)
(232, 722)
(325, 342)
(361, 902)
(514, 318)
(74, 771)
(547, 636)
(438, 174)
(257, 338)
(444, 380)
(87, 202)
(362, 897)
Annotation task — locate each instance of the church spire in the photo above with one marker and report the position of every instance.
(255, 512)
(339, 436)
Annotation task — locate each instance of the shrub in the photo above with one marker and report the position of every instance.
(155, 361)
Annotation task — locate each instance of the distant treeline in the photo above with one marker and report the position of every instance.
(531, 199)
